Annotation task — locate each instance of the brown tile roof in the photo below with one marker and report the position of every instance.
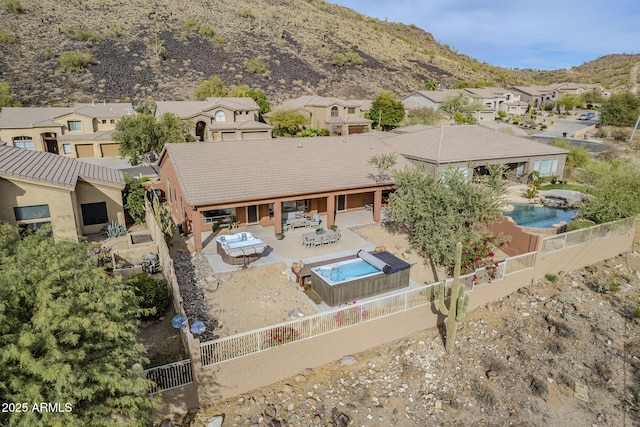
(186, 109)
(27, 117)
(316, 101)
(53, 169)
(224, 172)
(464, 143)
(440, 95)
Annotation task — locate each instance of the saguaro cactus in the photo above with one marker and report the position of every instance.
(458, 303)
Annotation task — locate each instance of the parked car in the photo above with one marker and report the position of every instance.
(587, 116)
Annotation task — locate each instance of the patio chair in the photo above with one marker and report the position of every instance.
(326, 239)
(306, 241)
(333, 238)
(314, 221)
(317, 240)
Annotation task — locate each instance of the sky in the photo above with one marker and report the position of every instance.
(540, 34)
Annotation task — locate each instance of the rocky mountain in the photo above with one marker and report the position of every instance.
(161, 49)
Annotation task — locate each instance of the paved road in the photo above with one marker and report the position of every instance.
(570, 126)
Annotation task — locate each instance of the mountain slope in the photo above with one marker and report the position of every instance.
(162, 49)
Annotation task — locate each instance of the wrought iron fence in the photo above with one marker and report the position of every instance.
(576, 237)
(257, 340)
(170, 376)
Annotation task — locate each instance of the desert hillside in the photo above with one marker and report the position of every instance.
(162, 49)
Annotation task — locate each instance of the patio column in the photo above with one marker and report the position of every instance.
(277, 217)
(197, 230)
(377, 205)
(331, 210)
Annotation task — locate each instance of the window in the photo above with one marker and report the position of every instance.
(104, 121)
(31, 212)
(463, 171)
(219, 215)
(74, 125)
(24, 142)
(94, 213)
(546, 167)
(334, 112)
(220, 116)
(66, 148)
(351, 110)
(112, 121)
(26, 228)
(296, 205)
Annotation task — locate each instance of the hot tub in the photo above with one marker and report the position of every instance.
(239, 248)
(365, 276)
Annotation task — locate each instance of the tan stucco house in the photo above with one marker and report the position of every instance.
(338, 116)
(75, 197)
(83, 130)
(219, 119)
(256, 183)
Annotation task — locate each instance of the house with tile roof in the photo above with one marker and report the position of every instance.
(83, 130)
(75, 197)
(338, 116)
(499, 99)
(435, 99)
(256, 183)
(471, 148)
(219, 119)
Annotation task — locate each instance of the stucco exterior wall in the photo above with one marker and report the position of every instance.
(93, 193)
(16, 193)
(35, 134)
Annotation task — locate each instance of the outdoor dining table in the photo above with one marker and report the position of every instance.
(316, 239)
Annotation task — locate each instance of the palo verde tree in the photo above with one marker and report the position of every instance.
(621, 109)
(244, 91)
(613, 190)
(436, 212)
(67, 336)
(288, 122)
(212, 88)
(143, 134)
(387, 111)
(570, 101)
(461, 108)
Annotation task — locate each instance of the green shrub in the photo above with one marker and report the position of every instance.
(246, 12)
(255, 65)
(354, 58)
(153, 294)
(551, 277)
(339, 59)
(206, 31)
(74, 60)
(502, 114)
(191, 24)
(531, 192)
(7, 37)
(636, 313)
(578, 224)
(86, 36)
(12, 6)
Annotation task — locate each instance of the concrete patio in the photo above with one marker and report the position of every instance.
(290, 249)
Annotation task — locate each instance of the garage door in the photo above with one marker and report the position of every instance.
(353, 129)
(84, 150)
(110, 150)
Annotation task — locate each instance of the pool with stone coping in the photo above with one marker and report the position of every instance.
(528, 215)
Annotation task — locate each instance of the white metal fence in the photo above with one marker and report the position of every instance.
(170, 376)
(257, 340)
(572, 238)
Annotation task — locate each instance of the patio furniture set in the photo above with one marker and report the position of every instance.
(292, 220)
(318, 239)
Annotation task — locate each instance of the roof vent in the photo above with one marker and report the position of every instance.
(299, 145)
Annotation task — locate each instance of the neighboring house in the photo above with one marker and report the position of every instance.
(219, 119)
(538, 96)
(338, 116)
(248, 183)
(471, 148)
(83, 130)
(255, 183)
(436, 98)
(75, 197)
(496, 99)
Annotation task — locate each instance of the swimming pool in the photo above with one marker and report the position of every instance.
(527, 215)
(347, 270)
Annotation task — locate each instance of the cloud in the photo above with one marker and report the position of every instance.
(545, 34)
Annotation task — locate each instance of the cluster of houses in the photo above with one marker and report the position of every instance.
(236, 171)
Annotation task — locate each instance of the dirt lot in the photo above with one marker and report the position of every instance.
(562, 351)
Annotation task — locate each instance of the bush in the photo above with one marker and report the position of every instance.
(579, 224)
(246, 12)
(74, 60)
(255, 65)
(206, 31)
(86, 36)
(354, 58)
(339, 59)
(12, 6)
(153, 294)
(551, 277)
(7, 38)
(191, 24)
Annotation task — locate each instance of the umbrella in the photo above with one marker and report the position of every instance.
(198, 327)
(179, 321)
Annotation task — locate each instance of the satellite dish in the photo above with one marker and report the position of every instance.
(198, 327)
(179, 321)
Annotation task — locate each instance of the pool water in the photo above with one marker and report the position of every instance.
(539, 217)
(346, 271)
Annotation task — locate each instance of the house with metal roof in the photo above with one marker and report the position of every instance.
(219, 119)
(75, 197)
(83, 130)
(261, 182)
(338, 116)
